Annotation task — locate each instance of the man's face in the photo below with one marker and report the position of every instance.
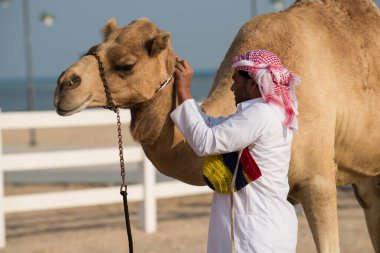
(241, 87)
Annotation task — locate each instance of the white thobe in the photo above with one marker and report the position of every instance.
(265, 222)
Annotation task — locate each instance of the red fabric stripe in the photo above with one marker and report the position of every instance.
(249, 165)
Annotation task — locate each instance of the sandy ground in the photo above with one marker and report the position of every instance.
(182, 222)
(182, 228)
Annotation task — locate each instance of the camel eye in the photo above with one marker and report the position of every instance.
(124, 68)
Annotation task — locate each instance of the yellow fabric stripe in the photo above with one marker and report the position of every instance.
(217, 173)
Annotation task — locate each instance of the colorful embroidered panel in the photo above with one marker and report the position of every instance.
(219, 169)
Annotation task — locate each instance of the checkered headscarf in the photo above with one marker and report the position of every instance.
(276, 83)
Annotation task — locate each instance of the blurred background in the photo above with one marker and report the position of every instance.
(41, 38)
(38, 40)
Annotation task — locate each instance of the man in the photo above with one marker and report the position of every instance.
(257, 138)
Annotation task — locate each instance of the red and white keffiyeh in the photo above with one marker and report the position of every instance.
(276, 83)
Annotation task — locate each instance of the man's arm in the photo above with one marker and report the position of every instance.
(235, 133)
(183, 76)
(210, 121)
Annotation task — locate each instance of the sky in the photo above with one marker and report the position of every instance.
(201, 31)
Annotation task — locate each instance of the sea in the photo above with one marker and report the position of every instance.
(13, 92)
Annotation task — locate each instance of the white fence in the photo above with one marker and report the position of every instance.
(147, 192)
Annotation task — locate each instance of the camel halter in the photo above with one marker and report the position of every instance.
(113, 107)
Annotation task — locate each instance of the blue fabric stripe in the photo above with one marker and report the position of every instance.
(230, 160)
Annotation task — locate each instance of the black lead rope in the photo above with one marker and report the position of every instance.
(111, 106)
(127, 222)
(123, 188)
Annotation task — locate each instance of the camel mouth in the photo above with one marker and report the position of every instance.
(80, 107)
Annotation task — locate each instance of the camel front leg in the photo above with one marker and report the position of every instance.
(367, 192)
(319, 201)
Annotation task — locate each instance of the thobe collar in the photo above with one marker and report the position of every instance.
(248, 103)
(277, 110)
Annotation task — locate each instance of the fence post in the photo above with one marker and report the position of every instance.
(148, 208)
(2, 209)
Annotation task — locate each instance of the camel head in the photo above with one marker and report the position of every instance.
(137, 59)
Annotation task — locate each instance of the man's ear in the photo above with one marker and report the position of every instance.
(251, 84)
(255, 89)
(158, 43)
(109, 27)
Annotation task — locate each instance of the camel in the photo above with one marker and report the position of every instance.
(334, 45)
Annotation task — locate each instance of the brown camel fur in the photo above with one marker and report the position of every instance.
(333, 45)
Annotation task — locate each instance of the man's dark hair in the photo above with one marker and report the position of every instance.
(244, 74)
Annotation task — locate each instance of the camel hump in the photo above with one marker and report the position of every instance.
(354, 7)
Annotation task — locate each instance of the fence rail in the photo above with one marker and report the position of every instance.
(147, 192)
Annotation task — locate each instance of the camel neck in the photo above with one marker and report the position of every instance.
(161, 141)
(149, 118)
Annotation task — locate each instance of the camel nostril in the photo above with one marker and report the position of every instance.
(75, 80)
(72, 82)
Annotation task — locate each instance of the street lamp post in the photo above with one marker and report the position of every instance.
(29, 67)
(47, 19)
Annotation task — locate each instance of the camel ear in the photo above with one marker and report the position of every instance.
(110, 26)
(158, 43)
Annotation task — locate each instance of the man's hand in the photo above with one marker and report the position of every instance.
(183, 74)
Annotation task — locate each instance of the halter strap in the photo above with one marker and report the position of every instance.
(164, 84)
